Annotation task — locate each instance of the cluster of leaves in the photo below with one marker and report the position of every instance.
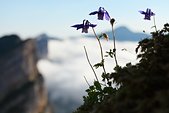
(140, 88)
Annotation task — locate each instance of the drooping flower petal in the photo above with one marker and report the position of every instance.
(93, 13)
(92, 25)
(142, 12)
(85, 30)
(107, 16)
(78, 26)
(100, 16)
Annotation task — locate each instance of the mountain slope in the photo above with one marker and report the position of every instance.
(122, 33)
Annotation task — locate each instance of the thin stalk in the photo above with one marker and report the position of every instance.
(101, 49)
(154, 23)
(90, 64)
(86, 81)
(114, 49)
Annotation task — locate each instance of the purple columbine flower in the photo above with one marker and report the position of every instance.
(84, 26)
(101, 14)
(147, 14)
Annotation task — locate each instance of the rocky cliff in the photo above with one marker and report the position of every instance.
(21, 85)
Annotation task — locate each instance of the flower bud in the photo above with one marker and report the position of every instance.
(105, 36)
(112, 21)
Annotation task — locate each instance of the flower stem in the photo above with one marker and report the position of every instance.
(154, 23)
(90, 64)
(114, 49)
(101, 49)
(86, 81)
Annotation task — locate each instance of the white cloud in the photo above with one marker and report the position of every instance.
(67, 64)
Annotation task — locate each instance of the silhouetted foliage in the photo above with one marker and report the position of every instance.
(140, 88)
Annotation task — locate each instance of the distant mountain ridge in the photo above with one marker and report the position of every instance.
(122, 33)
(47, 37)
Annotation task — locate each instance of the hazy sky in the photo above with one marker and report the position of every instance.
(54, 17)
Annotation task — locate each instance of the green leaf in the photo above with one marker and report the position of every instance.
(97, 85)
(108, 90)
(99, 65)
(110, 53)
(91, 88)
(88, 90)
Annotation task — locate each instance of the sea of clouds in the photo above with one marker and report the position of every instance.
(66, 66)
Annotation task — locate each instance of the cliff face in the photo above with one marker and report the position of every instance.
(21, 86)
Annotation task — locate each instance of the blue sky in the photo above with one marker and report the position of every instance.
(29, 18)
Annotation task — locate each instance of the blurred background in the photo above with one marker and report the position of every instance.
(61, 57)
